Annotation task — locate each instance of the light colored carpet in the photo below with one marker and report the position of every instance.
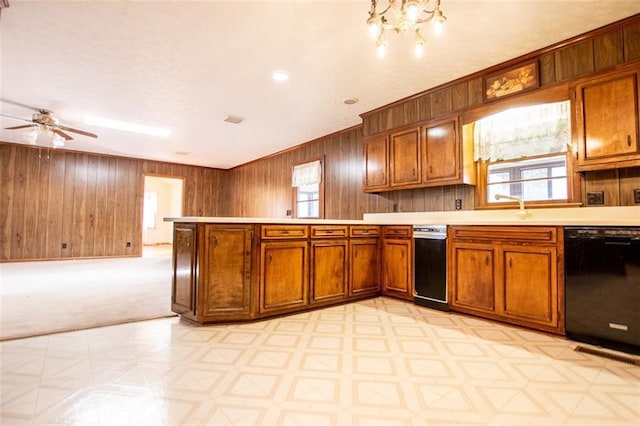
(54, 296)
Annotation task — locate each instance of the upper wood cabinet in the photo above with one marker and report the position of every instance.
(376, 164)
(430, 154)
(441, 152)
(607, 121)
(405, 158)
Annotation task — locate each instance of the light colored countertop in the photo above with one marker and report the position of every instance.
(615, 216)
(620, 216)
(263, 220)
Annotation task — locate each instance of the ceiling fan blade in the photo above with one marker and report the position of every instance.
(17, 118)
(20, 127)
(81, 132)
(63, 134)
(7, 101)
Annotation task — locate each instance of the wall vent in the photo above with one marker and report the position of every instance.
(606, 354)
(233, 119)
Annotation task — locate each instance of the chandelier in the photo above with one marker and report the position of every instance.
(31, 136)
(404, 16)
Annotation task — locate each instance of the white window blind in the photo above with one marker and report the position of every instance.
(307, 174)
(523, 132)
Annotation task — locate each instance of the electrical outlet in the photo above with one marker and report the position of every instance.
(395, 207)
(289, 212)
(64, 245)
(595, 197)
(128, 243)
(636, 196)
(458, 204)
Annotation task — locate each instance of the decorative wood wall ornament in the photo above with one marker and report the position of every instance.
(514, 80)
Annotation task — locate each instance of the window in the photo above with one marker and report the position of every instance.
(308, 190)
(523, 152)
(535, 179)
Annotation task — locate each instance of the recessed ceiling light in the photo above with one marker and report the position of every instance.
(350, 101)
(280, 76)
(126, 126)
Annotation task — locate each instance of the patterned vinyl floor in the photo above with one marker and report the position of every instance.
(375, 362)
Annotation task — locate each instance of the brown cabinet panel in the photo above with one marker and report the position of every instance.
(184, 262)
(530, 289)
(405, 157)
(498, 272)
(281, 232)
(284, 282)
(364, 231)
(471, 279)
(376, 160)
(441, 152)
(607, 122)
(329, 231)
(224, 273)
(397, 277)
(329, 270)
(364, 266)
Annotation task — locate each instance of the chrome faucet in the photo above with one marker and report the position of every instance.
(522, 213)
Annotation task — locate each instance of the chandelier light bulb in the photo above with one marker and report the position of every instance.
(381, 46)
(438, 23)
(412, 10)
(418, 45)
(57, 141)
(375, 26)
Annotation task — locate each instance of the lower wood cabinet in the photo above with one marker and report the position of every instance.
(212, 272)
(512, 274)
(284, 276)
(183, 297)
(397, 260)
(329, 277)
(364, 267)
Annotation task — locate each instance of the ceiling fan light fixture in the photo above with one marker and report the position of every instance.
(31, 135)
(126, 126)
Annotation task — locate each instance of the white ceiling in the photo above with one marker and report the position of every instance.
(185, 65)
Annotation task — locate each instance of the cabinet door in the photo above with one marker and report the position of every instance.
(224, 290)
(184, 259)
(328, 270)
(441, 153)
(376, 160)
(284, 275)
(364, 267)
(608, 121)
(397, 278)
(471, 276)
(405, 158)
(530, 290)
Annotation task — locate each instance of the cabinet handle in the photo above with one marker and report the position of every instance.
(510, 263)
(214, 241)
(628, 140)
(430, 169)
(270, 258)
(486, 260)
(413, 172)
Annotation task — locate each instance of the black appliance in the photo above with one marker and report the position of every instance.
(430, 266)
(602, 286)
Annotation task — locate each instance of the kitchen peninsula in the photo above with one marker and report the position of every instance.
(240, 269)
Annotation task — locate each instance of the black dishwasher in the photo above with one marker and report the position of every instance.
(602, 286)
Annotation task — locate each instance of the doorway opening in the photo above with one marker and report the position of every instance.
(162, 198)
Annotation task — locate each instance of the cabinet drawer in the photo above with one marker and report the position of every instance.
(328, 231)
(399, 231)
(364, 231)
(512, 234)
(281, 232)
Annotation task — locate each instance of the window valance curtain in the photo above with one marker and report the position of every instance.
(523, 132)
(307, 174)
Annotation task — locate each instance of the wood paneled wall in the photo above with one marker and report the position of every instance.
(263, 187)
(90, 203)
(600, 50)
(618, 185)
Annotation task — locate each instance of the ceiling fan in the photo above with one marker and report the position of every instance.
(43, 121)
